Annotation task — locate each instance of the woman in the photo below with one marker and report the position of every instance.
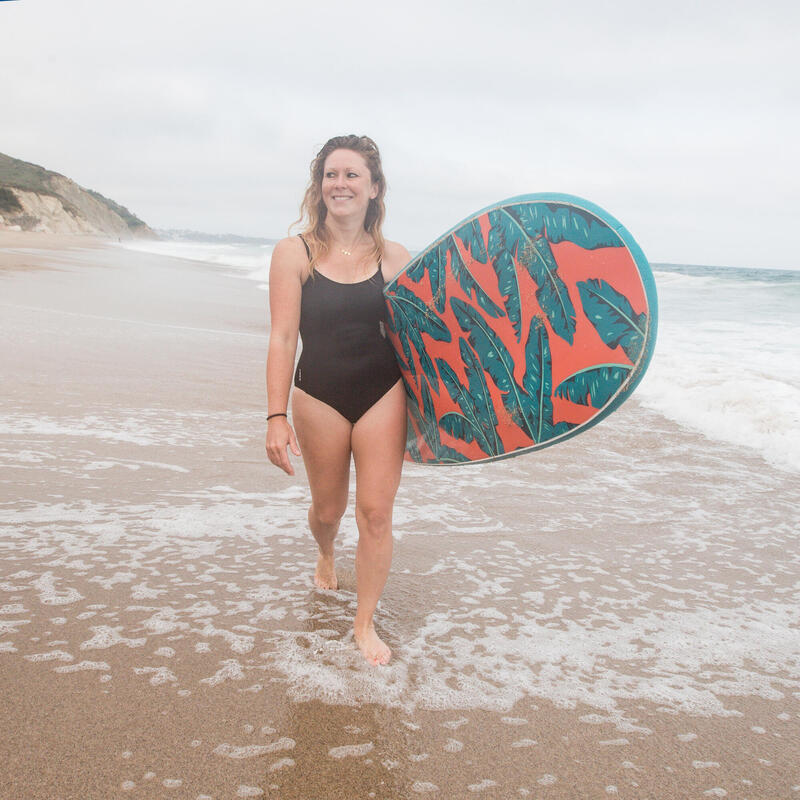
(348, 398)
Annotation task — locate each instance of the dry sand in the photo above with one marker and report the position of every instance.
(24, 250)
(613, 617)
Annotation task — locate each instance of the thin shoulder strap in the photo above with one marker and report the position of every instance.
(305, 244)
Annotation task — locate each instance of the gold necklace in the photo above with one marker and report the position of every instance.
(345, 252)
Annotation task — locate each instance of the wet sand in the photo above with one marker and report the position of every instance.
(616, 616)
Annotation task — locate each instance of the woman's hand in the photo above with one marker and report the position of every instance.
(280, 436)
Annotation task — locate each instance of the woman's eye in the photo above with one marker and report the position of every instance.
(352, 175)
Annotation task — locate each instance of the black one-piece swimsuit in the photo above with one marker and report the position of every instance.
(347, 361)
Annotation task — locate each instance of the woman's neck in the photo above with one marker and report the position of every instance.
(346, 231)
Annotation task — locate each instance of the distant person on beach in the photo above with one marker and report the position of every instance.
(348, 399)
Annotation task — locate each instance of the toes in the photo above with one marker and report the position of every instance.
(381, 656)
(375, 651)
(326, 582)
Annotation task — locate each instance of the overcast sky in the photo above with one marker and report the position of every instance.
(681, 119)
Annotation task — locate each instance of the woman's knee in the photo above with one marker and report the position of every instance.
(327, 513)
(374, 520)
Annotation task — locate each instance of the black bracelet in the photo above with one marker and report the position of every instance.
(279, 414)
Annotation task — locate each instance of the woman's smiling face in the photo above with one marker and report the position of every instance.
(347, 185)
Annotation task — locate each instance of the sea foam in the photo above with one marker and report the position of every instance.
(726, 362)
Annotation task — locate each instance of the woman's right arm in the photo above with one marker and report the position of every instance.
(285, 289)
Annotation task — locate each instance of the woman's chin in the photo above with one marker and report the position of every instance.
(345, 210)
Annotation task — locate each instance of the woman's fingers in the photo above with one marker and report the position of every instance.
(286, 464)
(277, 445)
(280, 459)
(293, 443)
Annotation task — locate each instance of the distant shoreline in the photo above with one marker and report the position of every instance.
(177, 235)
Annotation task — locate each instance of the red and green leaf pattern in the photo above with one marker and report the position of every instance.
(551, 311)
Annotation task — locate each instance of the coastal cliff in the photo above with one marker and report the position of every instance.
(35, 199)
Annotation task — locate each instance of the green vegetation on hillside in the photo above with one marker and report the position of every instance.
(23, 175)
(131, 219)
(8, 201)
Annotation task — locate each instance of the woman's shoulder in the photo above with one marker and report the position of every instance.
(395, 257)
(290, 254)
(290, 247)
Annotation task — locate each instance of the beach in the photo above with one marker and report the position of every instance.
(616, 616)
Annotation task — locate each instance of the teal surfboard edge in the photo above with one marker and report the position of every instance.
(648, 281)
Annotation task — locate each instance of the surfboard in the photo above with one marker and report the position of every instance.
(524, 325)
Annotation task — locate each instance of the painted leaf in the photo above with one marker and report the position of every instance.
(434, 265)
(463, 426)
(552, 292)
(538, 383)
(471, 236)
(420, 421)
(497, 362)
(559, 223)
(413, 431)
(537, 258)
(409, 319)
(538, 380)
(479, 392)
(416, 271)
(425, 421)
(506, 242)
(613, 316)
(477, 420)
(594, 386)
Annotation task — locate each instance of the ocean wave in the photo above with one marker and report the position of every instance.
(254, 258)
(734, 375)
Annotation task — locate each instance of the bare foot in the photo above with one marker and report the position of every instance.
(325, 576)
(372, 647)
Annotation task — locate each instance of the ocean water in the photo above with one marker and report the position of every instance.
(249, 261)
(727, 360)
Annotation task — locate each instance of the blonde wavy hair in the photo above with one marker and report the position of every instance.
(313, 210)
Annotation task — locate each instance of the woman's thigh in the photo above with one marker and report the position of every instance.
(324, 438)
(379, 442)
